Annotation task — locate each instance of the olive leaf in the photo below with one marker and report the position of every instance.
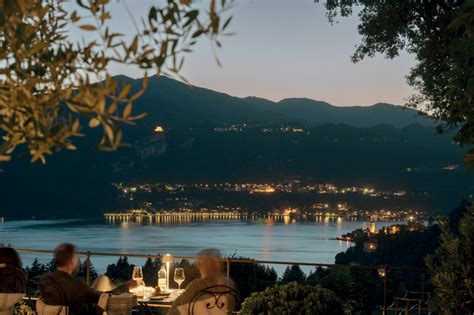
(51, 85)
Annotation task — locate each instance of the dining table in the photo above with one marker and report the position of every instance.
(149, 301)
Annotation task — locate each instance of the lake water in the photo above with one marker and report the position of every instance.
(298, 241)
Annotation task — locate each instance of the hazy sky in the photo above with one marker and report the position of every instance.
(287, 48)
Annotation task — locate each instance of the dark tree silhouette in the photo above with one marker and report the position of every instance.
(439, 34)
(120, 271)
(150, 271)
(293, 274)
(252, 277)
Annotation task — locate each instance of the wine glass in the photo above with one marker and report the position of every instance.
(137, 274)
(179, 277)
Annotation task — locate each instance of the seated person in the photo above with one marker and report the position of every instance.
(61, 288)
(12, 276)
(209, 263)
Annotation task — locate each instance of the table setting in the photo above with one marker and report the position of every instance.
(161, 295)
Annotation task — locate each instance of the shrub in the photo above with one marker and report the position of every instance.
(357, 288)
(451, 268)
(293, 298)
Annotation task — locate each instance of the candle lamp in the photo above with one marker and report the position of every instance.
(168, 259)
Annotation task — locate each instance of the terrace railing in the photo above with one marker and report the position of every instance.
(382, 270)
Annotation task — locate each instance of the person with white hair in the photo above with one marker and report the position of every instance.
(210, 265)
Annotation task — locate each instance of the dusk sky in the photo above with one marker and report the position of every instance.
(287, 48)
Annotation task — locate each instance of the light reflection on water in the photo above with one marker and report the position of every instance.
(304, 241)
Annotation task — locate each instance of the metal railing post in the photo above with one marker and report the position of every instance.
(88, 268)
(228, 267)
(423, 286)
(385, 289)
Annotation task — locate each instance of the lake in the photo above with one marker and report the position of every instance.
(303, 241)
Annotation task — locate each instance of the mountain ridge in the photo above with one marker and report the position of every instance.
(180, 103)
(128, 78)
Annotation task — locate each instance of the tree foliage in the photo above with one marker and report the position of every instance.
(358, 289)
(120, 271)
(440, 34)
(293, 274)
(451, 268)
(252, 277)
(36, 269)
(191, 273)
(82, 272)
(150, 271)
(51, 84)
(293, 298)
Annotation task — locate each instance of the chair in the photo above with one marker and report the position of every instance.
(411, 303)
(51, 291)
(8, 301)
(44, 309)
(117, 304)
(215, 300)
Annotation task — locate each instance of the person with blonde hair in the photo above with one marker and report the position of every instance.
(209, 263)
(213, 279)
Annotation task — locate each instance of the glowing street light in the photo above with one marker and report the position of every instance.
(382, 272)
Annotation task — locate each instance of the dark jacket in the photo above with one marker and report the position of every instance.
(12, 279)
(60, 288)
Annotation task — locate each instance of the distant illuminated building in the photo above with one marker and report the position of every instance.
(450, 167)
(264, 189)
(367, 190)
(151, 146)
(370, 245)
(399, 193)
(342, 207)
(372, 225)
